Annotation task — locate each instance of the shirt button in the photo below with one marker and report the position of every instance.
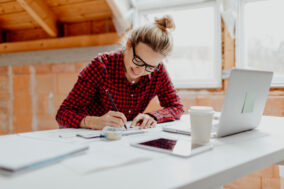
(129, 111)
(131, 95)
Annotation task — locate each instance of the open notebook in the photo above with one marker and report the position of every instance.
(129, 131)
(19, 153)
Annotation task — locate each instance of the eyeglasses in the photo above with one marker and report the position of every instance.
(139, 62)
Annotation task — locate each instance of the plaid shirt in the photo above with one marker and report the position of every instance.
(106, 71)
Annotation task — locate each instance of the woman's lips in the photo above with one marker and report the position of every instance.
(134, 72)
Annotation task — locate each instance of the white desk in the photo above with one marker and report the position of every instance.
(232, 158)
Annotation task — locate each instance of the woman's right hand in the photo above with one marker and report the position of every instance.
(112, 118)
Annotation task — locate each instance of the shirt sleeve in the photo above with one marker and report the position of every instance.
(73, 108)
(169, 100)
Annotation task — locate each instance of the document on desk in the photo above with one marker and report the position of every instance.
(66, 135)
(69, 135)
(21, 153)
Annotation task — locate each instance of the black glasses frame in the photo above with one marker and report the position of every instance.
(139, 62)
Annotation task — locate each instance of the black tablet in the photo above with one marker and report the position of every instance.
(179, 147)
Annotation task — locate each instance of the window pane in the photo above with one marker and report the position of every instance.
(264, 35)
(193, 55)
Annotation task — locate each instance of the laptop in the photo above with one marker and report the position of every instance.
(243, 104)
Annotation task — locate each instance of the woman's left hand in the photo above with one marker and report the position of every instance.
(144, 121)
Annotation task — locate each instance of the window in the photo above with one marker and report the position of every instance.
(260, 39)
(196, 58)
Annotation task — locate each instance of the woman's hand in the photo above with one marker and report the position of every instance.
(144, 121)
(112, 118)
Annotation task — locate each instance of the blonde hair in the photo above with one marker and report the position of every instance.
(156, 35)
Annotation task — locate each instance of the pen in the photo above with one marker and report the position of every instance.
(113, 104)
(90, 137)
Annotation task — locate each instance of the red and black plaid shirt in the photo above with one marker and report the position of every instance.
(88, 96)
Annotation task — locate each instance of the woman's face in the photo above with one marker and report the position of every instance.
(142, 55)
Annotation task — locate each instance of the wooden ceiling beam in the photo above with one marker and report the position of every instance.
(41, 13)
(58, 43)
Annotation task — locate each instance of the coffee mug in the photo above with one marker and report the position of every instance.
(201, 123)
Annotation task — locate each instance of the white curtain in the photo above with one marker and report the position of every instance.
(229, 13)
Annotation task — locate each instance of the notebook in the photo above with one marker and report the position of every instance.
(20, 153)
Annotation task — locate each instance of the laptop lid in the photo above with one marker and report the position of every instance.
(244, 101)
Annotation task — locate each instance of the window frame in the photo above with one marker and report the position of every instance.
(277, 82)
(217, 75)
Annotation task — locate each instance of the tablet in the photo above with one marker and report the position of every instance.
(178, 147)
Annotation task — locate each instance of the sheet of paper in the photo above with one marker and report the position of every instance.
(63, 135)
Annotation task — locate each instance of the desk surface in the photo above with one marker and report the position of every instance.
(231, 158)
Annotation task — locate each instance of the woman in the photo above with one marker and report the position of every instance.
(131, 77)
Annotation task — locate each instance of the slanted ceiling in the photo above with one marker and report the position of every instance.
(27, 25)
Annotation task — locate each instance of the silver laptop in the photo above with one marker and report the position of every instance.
(243, 105)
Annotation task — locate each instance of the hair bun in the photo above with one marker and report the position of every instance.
(165, 23)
